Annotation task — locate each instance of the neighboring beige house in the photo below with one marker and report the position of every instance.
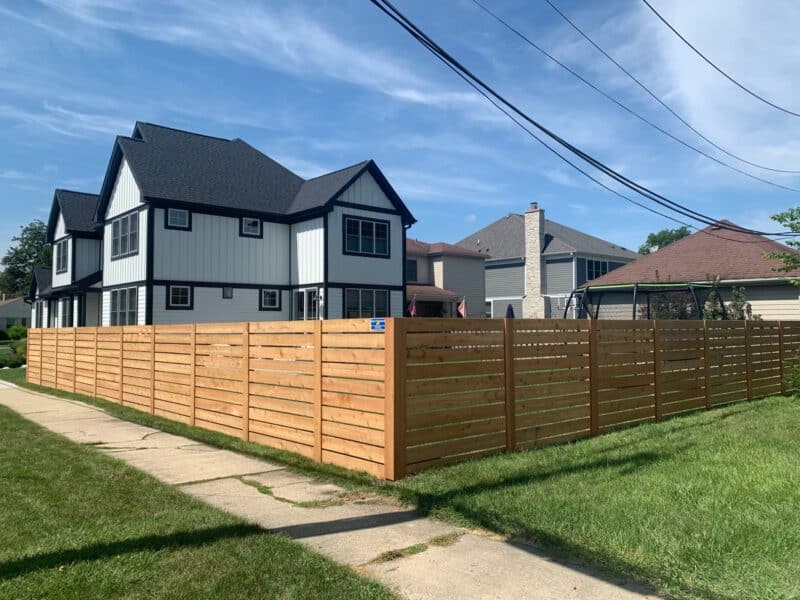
(735, 258)
(440, 275)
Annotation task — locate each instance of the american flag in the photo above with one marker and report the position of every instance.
(412, 307)
(462, 308)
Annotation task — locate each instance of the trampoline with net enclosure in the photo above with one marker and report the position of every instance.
(644, 301)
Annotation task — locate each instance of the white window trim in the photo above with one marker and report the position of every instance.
(187, 225)
(65, 254)
(131, 218)
(262, 305)
(243, 223)
(180, 306)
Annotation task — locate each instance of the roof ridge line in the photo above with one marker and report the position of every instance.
(340, 170)
(205, 135)
(76, 192)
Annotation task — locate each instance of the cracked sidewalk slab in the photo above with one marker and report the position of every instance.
(353, 532)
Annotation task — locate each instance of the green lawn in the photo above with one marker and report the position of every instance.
(703, 506)
(75, 523)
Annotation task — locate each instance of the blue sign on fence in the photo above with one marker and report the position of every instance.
(377, 324)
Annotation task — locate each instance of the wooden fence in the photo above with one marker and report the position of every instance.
(427, 391)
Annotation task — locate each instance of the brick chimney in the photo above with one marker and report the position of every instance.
(533, 301)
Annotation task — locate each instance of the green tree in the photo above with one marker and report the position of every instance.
(790, 258)
(29, 252)
(665, 237)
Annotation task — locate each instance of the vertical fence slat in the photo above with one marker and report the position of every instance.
(192, 375)
(706, 365)
(74, 357)
(94, 379)
(152, 330)
(55, 359)
(318, 390)
(390, 400)
(656, 372)
(401, 399)
(748, 351)
(593, 377)
(246, 382)
(508, 369)
(780, 358)
(121, 363)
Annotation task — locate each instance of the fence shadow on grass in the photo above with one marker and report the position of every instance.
(594, 562)
(152, 543)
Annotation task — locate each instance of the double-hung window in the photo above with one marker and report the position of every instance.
(366, 237)
(365, 303)
(179, 218)
(125, 236)
(179, 297)
(595, 269)
(62, 256)
(250, 227)
(124, 306)
(269, 299)
(411, 270)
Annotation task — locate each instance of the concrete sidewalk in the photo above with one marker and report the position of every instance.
(363, 532)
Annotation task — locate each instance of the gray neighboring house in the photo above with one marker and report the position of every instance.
(533, 263)
(13, 311)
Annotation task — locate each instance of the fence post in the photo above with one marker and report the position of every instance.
(706, 367)
(748, 360)
(510, 395)
(246, 382)
(121, 361)
(192, 369)
(74, 357)
(318, 390)
(390, 407)
(593, 377)
(55, 383)
(152, 369)
(780, 358)
(656, 372)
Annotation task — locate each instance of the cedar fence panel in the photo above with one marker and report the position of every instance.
(428, 392)
(454, 385)
(551, 381)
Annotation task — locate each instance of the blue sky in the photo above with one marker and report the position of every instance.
(321, 85)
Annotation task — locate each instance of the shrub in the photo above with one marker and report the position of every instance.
(13, 361)
(792, 376)
(16, 332)
(3, 335)
(21, 348)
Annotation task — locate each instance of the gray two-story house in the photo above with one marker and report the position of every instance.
(533, 264)
(193, 228)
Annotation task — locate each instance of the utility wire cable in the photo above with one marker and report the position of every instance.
(388, 8)
(623, 106)
(655, 97)
(716, 68)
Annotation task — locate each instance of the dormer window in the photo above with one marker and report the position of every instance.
(178, 218)
(62, 256)
(250, 227)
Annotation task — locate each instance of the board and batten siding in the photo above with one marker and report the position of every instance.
(558, 276)
(87, 257)
(130, 268)
(62, 279)
(214, 251)
(308, 251)
(366, 191)
(126, 194)
(211, 307)
(142, 298)
(505, 281)
(369, 270)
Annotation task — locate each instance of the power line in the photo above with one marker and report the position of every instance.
(389, 9)
(716, 68)
(659, 100)
(624, 107)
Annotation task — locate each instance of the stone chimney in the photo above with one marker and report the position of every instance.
(533, 301)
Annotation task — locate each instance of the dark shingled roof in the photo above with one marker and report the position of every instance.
(505, 238)
(78, 210)
(180, 166)
(420, 248)
(42, 278)
(710, 252)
